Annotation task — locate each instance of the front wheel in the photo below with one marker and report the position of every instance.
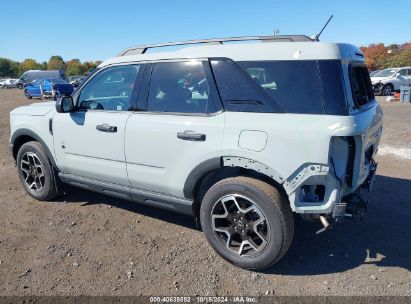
(36, 172)
(20, 86)
(27, 94)
(247, 222)
(387, 89)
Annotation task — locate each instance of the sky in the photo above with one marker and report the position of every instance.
(97, 30)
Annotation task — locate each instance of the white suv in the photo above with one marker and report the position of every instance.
(238, 135)
(390, 80)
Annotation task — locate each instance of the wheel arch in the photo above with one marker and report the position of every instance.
(22, 136)
(209, 172)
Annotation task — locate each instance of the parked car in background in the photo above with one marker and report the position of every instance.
(374, 73)
(8, 83)
(31, 75)
(45, 88)
(75, 80)
(390, 80)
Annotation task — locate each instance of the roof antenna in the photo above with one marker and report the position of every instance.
(315, 37)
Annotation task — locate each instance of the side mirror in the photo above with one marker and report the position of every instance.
(65, 104)
(398, 75)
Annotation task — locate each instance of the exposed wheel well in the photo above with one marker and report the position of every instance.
(208, 179)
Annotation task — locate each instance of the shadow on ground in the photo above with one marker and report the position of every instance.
(382, 238)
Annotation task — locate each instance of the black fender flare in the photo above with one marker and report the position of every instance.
(199, 171)
(27, 132)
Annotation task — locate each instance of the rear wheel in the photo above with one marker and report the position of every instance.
(387, 89)
(247, 222)
(36, 172)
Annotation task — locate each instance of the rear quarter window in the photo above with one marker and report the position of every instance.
(294, 86)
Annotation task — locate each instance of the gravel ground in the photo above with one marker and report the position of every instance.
(87, 244)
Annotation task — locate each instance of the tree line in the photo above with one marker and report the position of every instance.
(14, 69)
(378, 56)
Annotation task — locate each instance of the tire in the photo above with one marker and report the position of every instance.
(20, 86)
(33, 162)
(27, 94)
(268, 206)
(387, 89)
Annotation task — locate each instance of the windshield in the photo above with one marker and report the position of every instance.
(386, 73)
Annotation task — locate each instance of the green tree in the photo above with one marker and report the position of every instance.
(8, 68)
(56, 63)
(28, 64)
(400, 59)
(90, 65)
(74, 67)
(43, 65)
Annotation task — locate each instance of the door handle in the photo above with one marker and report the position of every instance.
(191, 136)
(106, 128)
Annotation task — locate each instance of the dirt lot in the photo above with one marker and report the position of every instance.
(87, 244)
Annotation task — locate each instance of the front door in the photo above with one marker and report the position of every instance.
(89, 142)
(34, 88)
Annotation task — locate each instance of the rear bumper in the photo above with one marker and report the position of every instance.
(355, 204)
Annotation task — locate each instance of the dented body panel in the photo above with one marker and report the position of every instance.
(298, 153)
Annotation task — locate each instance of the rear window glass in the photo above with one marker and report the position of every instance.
(306, 87)
(361, 87)
(181, 87)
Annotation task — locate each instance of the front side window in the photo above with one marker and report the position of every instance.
(181, 87)
(111, 89)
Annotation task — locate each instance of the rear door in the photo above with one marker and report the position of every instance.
(181, 126)
(89, 142)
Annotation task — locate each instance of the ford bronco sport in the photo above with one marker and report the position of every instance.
(238, 135)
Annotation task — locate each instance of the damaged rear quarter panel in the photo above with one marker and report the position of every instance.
(296, 141)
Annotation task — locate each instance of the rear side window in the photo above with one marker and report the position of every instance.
(361, 87)
(181, 87)
(303, 87)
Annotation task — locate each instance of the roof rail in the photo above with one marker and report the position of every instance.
(141, 49)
